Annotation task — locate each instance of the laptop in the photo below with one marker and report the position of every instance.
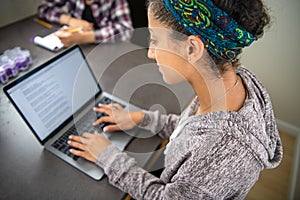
(56, 100)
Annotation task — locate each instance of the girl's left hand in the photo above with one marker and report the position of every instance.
(68, 39)
(86, 26)
(88, 146)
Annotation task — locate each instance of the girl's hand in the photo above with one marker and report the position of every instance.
(119, 118)
(85, 25)
(88, 146)
(68, 38)
(75, 23)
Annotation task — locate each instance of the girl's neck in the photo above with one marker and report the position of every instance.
(213, 92)
(88, 2)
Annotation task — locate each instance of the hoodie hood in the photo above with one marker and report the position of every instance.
(264, 127)
(254, 125)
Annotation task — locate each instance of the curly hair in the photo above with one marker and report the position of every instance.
(251, 15)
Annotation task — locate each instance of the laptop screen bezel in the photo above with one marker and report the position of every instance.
(7, 87)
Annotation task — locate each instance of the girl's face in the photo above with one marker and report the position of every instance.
(168, 54)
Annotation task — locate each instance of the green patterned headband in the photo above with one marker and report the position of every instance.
(220, 33)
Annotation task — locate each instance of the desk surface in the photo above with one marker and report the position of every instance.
(27, 171)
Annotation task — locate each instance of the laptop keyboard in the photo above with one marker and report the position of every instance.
(62, 142)
(83, 125)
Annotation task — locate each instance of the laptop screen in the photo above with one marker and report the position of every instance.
(48, 96)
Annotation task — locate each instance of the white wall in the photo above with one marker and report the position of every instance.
(275, 59)
(14, 10)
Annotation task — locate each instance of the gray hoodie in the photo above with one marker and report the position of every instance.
(218, 155)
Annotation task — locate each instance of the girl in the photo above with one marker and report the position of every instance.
(227, 135)
(98, 21)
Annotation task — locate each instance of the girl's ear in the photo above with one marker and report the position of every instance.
(195, 48)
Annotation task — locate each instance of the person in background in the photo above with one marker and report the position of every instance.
(227, 135)
(88, 21)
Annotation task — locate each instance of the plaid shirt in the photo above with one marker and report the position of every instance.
(112, 16)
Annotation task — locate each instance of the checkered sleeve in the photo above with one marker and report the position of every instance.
(51, 10)
(118, 24)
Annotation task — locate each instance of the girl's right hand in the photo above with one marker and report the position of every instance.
(119, 118)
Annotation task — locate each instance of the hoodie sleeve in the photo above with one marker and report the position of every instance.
(160, 124)
(123, 173)
(227, 171)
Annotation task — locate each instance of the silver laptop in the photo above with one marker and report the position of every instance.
(56, 100)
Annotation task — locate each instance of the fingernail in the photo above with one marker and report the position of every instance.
(69, 142)
(104, 129)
